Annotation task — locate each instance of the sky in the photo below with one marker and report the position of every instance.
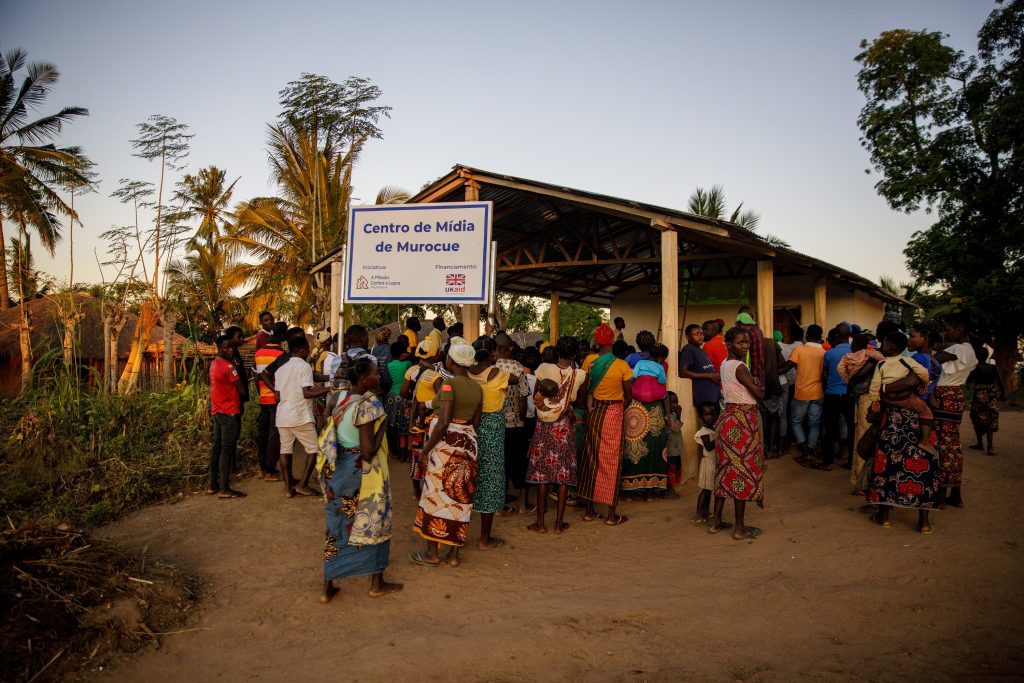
(641, 100)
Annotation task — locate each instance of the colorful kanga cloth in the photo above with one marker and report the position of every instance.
(552, 453)
(600, 461)
(644, 466)
(902, 475)
(947, 414)
(985, 408)
(449, 484)
(357, 511)
(490, 478)
(740, 450)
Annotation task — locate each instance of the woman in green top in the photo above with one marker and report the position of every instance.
(451, 468)
(394, 404)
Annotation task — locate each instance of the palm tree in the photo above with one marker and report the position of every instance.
(205, 280)
(32, 169)
(711, 204)
(204, 196)
(289, 233)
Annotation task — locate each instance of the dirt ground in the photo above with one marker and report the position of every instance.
(823, 595)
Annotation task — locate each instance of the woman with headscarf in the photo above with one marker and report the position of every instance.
(353, 474)
(608, 394)
(553, 448)
(490, 438)
(644, 468)
(449, 482)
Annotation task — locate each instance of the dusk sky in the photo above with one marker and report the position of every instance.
(642, 100)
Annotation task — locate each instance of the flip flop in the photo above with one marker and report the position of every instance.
(305, 492)
(587, 518)
(884, 525)
(619, 519)
(699, 521)
(417, 558)
(530, 509)
(230, 494)
(929, 530)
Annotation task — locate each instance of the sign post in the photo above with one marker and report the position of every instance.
(420, 253)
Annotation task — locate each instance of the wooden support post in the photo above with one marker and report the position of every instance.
(471, 312)
(553, 318)
(766, 297)
(820, 285)
(670, 303)
(471, 322)
(334, 321)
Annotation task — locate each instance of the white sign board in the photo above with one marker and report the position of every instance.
(419, 253)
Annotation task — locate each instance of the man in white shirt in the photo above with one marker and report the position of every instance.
(293, 383)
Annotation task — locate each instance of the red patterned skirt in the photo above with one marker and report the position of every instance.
(740, 450)
(947, 414)
(600, 462)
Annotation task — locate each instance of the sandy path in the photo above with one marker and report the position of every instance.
(822, 595)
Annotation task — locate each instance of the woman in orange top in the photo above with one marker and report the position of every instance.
(609, 393)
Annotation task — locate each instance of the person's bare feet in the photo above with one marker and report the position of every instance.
(538, 527)
(305, 491)
(453, 559)
(493, 543)
(560, 528)
(384, 588)
(720, 526)
(330, 590)
(747, 533)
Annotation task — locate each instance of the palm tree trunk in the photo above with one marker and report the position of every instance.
(25, 328)
(5, 295)
(168, 320)
(129, 381)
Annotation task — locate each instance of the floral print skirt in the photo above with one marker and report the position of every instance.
(449, 484)
(553, 453)
(490, 478)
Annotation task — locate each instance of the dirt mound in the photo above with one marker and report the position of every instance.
(69, 602)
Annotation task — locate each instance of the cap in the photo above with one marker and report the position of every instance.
(745, 318)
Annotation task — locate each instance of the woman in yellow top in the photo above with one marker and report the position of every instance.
(490, 438)
(609, 394)
(420, 387)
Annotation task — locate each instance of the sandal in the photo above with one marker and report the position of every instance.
(230, 493)
(417, 558)
(619, 519)
(878, 520)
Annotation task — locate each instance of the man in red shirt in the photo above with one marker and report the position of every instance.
(226, 388)
(714, 345)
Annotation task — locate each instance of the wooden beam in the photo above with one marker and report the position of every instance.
(820, 288)
(471, 312)
(553, 318)
(578, 264)
(766, 296)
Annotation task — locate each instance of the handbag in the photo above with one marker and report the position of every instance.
(868, 444)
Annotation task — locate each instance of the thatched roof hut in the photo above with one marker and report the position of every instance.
(48, 334)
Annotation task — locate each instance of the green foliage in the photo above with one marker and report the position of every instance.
(521, 313)
(712, 204)
(575, 320)
(944, 131)
(334, 111)
(69, 453)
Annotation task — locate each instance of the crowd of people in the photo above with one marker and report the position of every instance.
(582, 423)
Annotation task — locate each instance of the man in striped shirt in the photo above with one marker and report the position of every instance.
(268, 441)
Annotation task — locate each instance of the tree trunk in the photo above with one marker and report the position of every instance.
(168, 320)
(70, 317)
(115, 336)
(108, 324)
(129, 381)
(1007, 355)
(5, 295)
(25, 337)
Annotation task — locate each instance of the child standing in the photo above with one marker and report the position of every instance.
(985, 405)
(674, 422)
(708, 412)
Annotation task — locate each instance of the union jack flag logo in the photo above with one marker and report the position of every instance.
(455, 280)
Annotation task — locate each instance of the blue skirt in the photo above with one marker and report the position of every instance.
(340, 558)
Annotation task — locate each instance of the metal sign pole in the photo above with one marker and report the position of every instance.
(492, 293)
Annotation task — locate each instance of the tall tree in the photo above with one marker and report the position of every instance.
(206, 196)
(945, 131)
(164, 139)
(712, 204)
(32, 168)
